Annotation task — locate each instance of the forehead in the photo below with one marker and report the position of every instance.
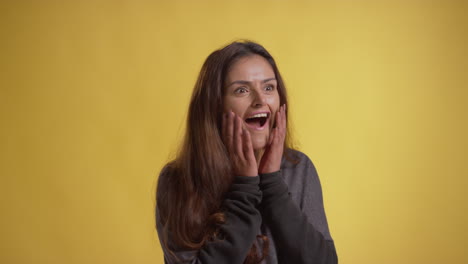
(250, 68)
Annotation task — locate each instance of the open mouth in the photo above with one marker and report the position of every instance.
(258, 121)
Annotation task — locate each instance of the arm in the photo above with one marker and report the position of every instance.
(242, 224)
(297, 240)
(243, 219)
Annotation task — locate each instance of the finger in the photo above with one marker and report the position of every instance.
(274, 131)
(248, 148)
(229, 130)
(278, 118)
(224, 127)
(284, 117)
(280, 115)
(237, 143)
(284, 121)
(272, 135)
(276, 137)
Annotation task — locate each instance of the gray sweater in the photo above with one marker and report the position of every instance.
(286, 206)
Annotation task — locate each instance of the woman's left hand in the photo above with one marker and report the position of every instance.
(271, 159)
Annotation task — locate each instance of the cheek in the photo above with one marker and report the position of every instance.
(227, 104)
(225, 107)
(274, 102)
(234, 104)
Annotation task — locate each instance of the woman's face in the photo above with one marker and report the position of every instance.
(251, 93)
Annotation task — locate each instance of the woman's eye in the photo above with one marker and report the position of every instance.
(241, 90)
(269, 88)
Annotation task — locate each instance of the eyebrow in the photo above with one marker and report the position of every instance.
(247, 82)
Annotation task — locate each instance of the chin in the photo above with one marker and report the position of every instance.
(259, 144)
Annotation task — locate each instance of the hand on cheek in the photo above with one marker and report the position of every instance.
(271, 159)
(239, 145)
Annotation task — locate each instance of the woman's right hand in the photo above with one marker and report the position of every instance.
(239, 145)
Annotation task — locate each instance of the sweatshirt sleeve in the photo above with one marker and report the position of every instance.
(243, 221)
(296, 240)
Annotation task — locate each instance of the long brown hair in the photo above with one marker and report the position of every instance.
(189, 200)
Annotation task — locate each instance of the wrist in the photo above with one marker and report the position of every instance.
(267, 174)
(268, 170)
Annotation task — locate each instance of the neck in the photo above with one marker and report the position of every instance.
(258, 155)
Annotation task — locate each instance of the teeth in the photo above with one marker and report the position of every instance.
(259, 115)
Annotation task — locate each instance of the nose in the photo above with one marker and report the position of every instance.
(258, 99)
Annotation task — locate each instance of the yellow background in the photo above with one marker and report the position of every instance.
(94, 96)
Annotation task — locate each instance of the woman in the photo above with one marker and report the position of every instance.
(237, 192)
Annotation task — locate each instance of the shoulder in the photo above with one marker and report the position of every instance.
(298, 170)
(164, 179)
(164, 174)
(163, 192)
(293, 158)
(167, 171)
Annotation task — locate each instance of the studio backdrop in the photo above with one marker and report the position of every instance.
(94, 96)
